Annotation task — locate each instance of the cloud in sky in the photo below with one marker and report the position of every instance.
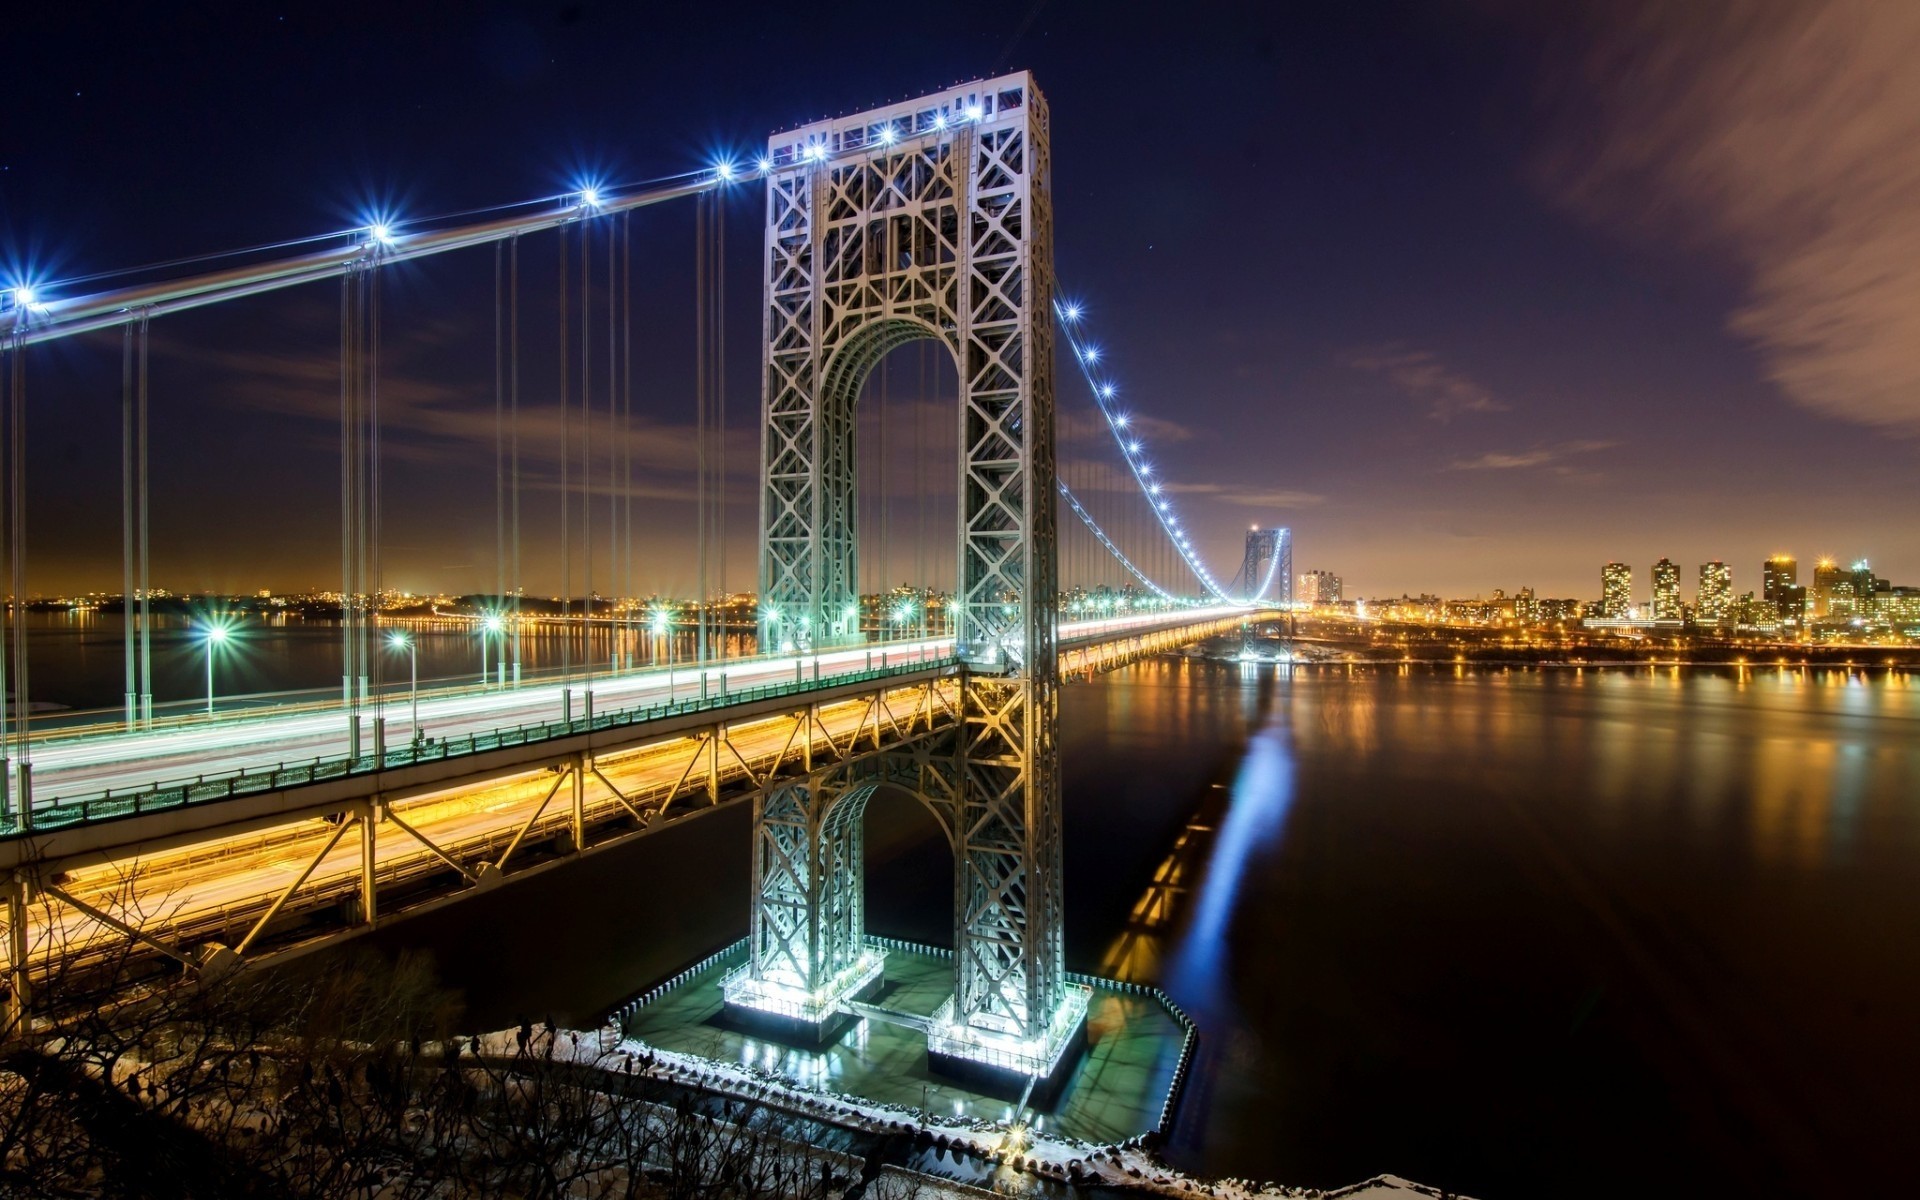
(1250, 497)
(1785, 135)
(1551, 457)
(1421, 375)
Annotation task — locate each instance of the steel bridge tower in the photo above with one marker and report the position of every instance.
(926, 219)
(1269, 555)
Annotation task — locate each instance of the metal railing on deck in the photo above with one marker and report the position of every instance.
(64, 812)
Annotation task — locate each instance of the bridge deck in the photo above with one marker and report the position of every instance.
(258, 868)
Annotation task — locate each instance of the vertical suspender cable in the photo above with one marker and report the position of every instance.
(615, 641)
(612, 476)
(17, 524)
(143, 516)
(920, 580)
(586, 451)
(132, 689)
(882, 583)
(348, 282)
(513, 421)
(371, 529)
(499, 433)
(626, 404)
(566, 488)
(15, 808)
(21, 806)
(700, 418)
(719, 343)
(22, 701)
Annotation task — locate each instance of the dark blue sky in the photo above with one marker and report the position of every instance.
(1468, 297)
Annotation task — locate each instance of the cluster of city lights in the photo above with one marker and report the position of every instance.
(1133, 450)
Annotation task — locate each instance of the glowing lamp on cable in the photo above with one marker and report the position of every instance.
(974, 112)
(493, 623)
(888, 135)
(1133, 447)
(1106, 391)
(590, 197)
(23, 296)
(1121, 421)
(382, 234)
(1091, 354)
(1071, 312)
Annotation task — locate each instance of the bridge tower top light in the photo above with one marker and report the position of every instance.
(983, 102)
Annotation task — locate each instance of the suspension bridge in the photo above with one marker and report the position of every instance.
(211, 839)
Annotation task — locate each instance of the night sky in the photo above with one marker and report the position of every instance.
(1468, 295)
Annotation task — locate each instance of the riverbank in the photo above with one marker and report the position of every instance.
(980, 1157)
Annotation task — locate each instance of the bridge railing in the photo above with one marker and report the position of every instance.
(68, 811)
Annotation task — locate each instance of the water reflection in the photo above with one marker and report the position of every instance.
(1256, 814)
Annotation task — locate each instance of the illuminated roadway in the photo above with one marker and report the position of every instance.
(211, 886)
(88, 764)
(214, 889)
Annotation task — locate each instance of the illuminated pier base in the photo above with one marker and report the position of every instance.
(994, 1062)
(1118, 1076)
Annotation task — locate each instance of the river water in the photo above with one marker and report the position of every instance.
(1508, 932)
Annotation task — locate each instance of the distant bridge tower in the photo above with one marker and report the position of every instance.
(1269, 561)
(1269, 552)
(927, 219)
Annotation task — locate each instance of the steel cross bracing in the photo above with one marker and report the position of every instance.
(928, 219)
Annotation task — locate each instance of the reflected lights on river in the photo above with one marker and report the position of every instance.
(1258, 802)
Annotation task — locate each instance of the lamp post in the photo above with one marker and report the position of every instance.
(401, 641)
(215, 634)
(662, 619)
(489, 626)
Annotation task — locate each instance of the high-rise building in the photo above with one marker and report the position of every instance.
(1715, 601)
(1827, 578)
(1666, 591)
(1526, 609)
(1616, 590)
(1319, 587)
(1780, 571)
(1792, 605)
(1866, 585)
(1778, 576)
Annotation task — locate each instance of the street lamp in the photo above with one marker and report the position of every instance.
(215, 634)
(662, 619)
(401, 641)
(490, 626)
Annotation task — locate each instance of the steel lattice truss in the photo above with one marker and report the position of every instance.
(928, 219)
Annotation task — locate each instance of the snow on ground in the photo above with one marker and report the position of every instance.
(1067, 1160)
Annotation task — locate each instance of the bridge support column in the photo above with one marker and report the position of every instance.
(369, 860)
(581, 765)
(19, 985)
(807, 936)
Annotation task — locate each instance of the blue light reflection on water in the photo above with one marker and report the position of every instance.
(1257, 806)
